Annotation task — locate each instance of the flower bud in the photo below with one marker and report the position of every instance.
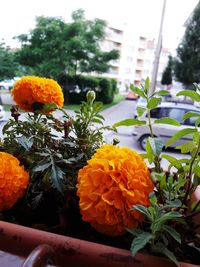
(116, 141)
(91, 95)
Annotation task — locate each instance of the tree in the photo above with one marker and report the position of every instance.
(55, 47)
(167, 73)
(8, 66)
(187, 64)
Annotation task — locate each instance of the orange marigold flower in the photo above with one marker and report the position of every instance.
(114, 180)
(31, 89)
(13, 180)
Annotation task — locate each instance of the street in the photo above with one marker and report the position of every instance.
(121, 111)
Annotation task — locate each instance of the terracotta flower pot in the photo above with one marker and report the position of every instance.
(27, 247)
(19, 247)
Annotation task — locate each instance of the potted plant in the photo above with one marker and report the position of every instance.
(57, 175)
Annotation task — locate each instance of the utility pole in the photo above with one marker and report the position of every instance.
(157, 52)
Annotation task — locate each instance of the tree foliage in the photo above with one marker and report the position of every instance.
(8, 66)
(187, 64)
(167, 74)
(54, 47)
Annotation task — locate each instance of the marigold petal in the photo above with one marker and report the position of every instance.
(13, 180)
(31, 89)
(114, 180)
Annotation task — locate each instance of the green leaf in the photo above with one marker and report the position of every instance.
(169, 216)
(175, 162)
(147, 85)
(156, 145)
(140, 242)
(149, 151)
(144, 155)
(8, 125)
(152, 198)
(25, 142)
(162, 92)
(167, 121)
(129, 122)
(153, 212)
(144, 210)
(41, 166)
(190, 114)
(56, 176)
(161, 248)
(197, 122)
(49, 107)
(100, 116)
(172, 204)
(97, 121)
(180, 134)
(197, 166)
(137, 90)
(140, 111)
(192, 94)
(141, 208)
(135, 231)
(154, 102)
(97, 106)
(172, 232)
(161, 177)
(187, 147)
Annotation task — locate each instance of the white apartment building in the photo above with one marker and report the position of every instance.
(145, 60)
(136, 56)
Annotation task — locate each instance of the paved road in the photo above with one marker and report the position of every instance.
(123, 110)
(126, 110)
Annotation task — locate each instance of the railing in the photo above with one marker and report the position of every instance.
(41, 256)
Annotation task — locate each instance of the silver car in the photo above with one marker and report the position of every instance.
(165, 131)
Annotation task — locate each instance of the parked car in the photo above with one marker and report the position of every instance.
(2, 113)
(165, 131)
(131, 96)
(8, 84)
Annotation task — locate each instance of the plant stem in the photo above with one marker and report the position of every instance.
(149, 124)
(156, 159)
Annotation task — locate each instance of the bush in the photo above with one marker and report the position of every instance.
(106, 94)
(114, 85)
(86, 83)
(77, 87)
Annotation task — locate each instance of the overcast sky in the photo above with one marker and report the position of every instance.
(18, 16)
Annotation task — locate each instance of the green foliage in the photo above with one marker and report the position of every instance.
(107, 91)
(167, 121)
(129, 122)
(53, 151)
(168, 228)
(54, 47)
(180, 134)
(104, 88)
(8, 65)
(186, 66)
(157, 230)
(167, 74)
